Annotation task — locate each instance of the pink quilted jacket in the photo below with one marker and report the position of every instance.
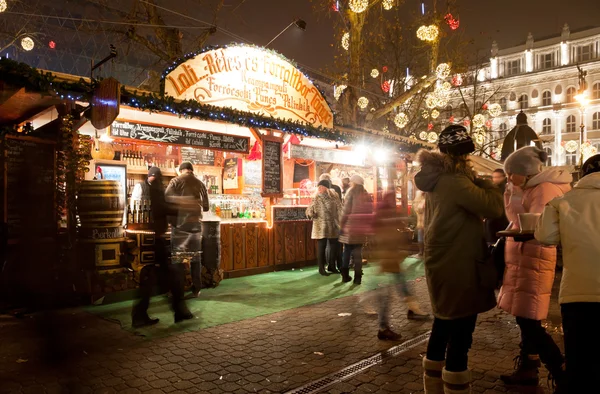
(529, 273)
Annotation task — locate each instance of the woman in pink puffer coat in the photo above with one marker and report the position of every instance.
(530, 266)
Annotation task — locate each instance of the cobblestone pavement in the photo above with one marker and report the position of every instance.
(79, 353)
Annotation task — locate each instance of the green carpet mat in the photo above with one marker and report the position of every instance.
(252, 296)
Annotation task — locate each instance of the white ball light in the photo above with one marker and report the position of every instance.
(346, 41)
(27, 43)
(571, 146)
(387, 4)
(374, 73)
(358, 6)
(435, 114)
(423, 135)
(479, 138)
(432, 137)
(443, 71)
(428, 33)
(494, 109)
(431, 101)
(338, 90)
(401, 120)
(363, 102)
(3, 5)
(478, 121)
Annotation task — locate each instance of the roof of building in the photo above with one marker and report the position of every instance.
(547, 41)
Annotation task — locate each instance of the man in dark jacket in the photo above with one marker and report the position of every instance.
(492, 226)
(190, 192)
(168, 272)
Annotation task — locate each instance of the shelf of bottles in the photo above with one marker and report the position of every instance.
(238, 207)
(297, 196)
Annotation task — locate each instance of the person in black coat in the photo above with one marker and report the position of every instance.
(492, 226)
(171, 273)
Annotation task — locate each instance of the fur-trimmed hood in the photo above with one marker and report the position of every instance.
(434, 164)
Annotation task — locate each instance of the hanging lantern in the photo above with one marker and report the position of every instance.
(358, 6)
(346, 41)
(443, 70)
(451, 119)
(374, 73)
(401, 120)
(466, 122)
(430, 101)
(363, 102)
(478, 120)
(432, 137)
(387, 4)
(27, 43)
(479, 138)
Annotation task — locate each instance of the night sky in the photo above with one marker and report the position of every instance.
(506, 21)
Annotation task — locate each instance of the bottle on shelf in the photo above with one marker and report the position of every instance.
(137, 213)
(130, 215)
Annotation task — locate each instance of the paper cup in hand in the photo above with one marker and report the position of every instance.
(527, 221)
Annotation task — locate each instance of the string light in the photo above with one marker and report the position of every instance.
(428, 33)
(3, 5)
(363, 102)
(346, 41)
(495, 109)
(374, 73)
(435, 114)
(338, 90)
(27, 43)
(401, 120)
(358, 6)
(387, 4)
(443, 71)
(432, 137)
(478, 120)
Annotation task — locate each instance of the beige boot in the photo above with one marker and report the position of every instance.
(432, 376)
(414, 310)
(456, 382)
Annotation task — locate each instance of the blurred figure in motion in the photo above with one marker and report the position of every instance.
(419, 207)
(356, 225)
(392, 242)
(530, 266)
(572, 220)
(168, 272)
(188, 224)
(331, 185)
(325, 210)
(345, 186)
(455, 249)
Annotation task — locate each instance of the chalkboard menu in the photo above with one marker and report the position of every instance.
(272, 167)
(282, 214)
(203, 157)
(170, 135)
(30, 186)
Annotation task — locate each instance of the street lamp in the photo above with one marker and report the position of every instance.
(583, 101)
(300, 24)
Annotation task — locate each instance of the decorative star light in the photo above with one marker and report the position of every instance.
(401, 120)
(338, 90)
(423, 135)
(387, 4)
(478, 121)
(495, 110)
(432, 137)
(374, 73)
(27, 43)
(443, 70)
(428, 33)
(358, 6)
(363, 102)
(435, 114)
(346, 41)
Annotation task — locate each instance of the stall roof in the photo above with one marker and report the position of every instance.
(484, 166)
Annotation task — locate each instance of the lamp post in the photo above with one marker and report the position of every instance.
(300, 24)
(583, 101)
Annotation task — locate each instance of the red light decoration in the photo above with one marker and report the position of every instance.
(385, 86)
(466, 122)
(430, 126)
(334, 6)
(52, 44)
(452, 22)
(457, 80)
(451, 120)
(385, 69)
(485, 106)
(488, 124)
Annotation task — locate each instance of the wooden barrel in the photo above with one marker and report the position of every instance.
(100, 204)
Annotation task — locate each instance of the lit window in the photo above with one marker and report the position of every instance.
(513, 67)
(584, 53)
(547, 126)
(571, 159)
(546, 61)
(547, 98)
(571, 124)
(571, 92)
(596, 121)
(549, 159)
(596, 91)
(524, 101)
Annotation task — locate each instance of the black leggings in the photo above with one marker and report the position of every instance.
(451, 340)
(535, 340)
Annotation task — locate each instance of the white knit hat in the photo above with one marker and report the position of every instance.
(525, 161)
(357, 179)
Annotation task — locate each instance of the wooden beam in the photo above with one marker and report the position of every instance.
(387, 136)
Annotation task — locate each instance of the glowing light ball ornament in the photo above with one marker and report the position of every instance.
(432, 137)
(443, 71)
(52, 45)
(478, 120)
(401, 120)
(338, 90)
(451, 21)
(346, 41)
(488, 124)
(431, 101)
(428, 33)
(3, 5)
(571, 146)
(358, 6)
(387, 4)
(374, 73)
(423, 135)
(435, 114)
(425, 114)
(27, 43)
(430, 126)
(495, 109)
(479, 138)
(385, 86)
(457, 80)
(363, 102)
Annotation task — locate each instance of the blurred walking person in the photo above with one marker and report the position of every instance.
(572, 221)
(456, 201)
(356, 226)
(530, 266)
(391, 248)
(325, 210)
(419, 207)
(169, 273)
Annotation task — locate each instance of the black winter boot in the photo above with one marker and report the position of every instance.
(358, 277)
(346, 275)
(526, 371)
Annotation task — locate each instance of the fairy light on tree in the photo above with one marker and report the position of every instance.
(432, 137)
(401, 120)
(374, 73)
(363, 102)
(338, 90)
(478, 121)
(387, 4)
(346, 41)
(495, 109)
(428, 33)
(423, 135)
(435, 114)
(27, 43)
(443, 71)
(358, 6)
(3, 5)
